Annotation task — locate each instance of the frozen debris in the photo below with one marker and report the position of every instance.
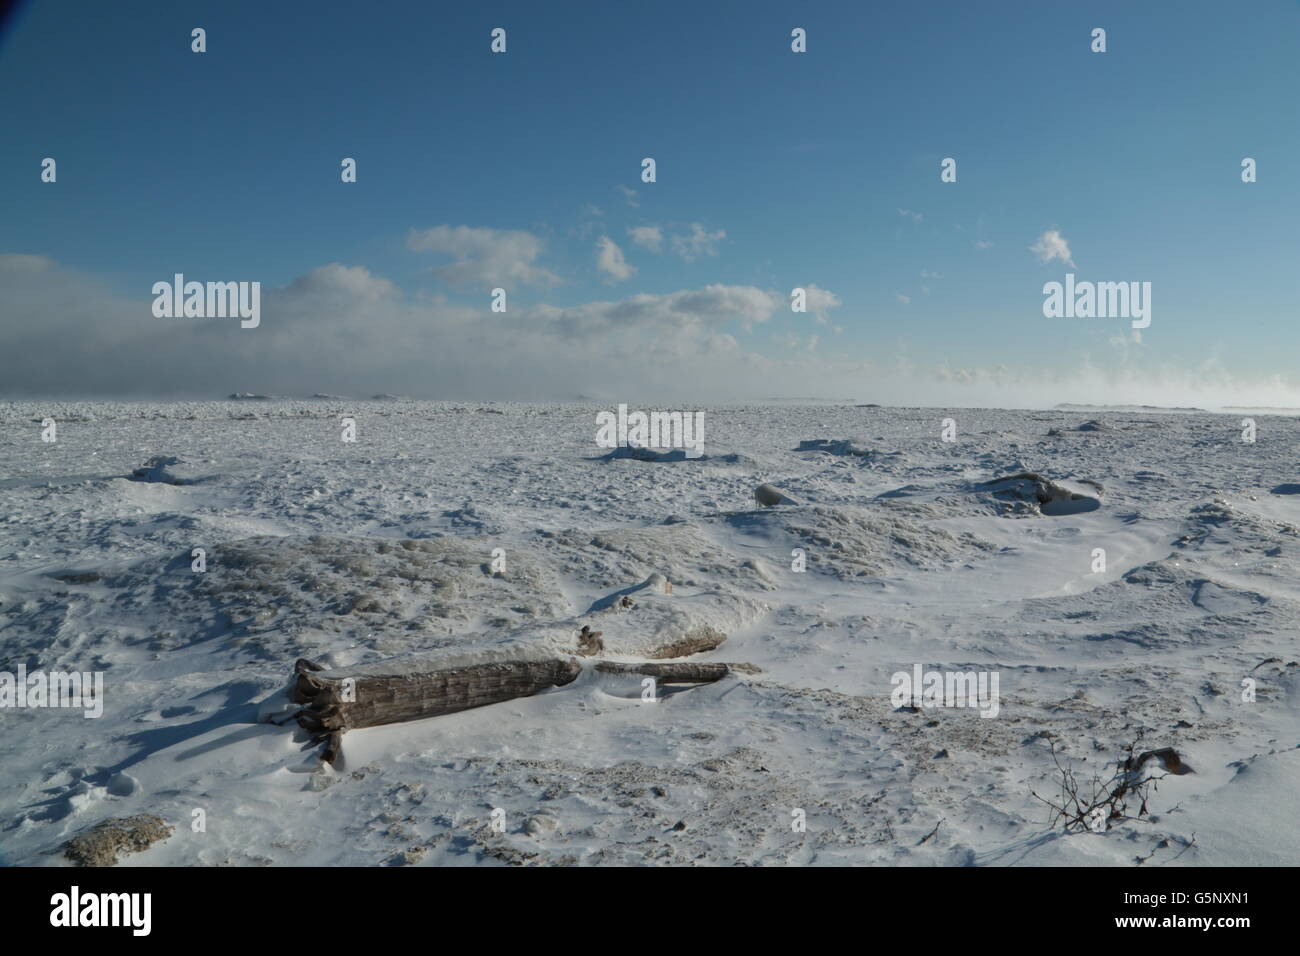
(412, 856)
(166, 469)
(622, 600)
(1053, 498)
(101, 844)
(589, 642)
(853, 447)
(769, 496)
(1167, 757)
(78, 577)
(637, 453)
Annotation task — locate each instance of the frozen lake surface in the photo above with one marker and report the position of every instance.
(1158, 607)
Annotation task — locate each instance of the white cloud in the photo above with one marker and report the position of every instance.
(16, 262)
(1052, 245)
(609, 260)
(629, 195)
(819, 300)
(909, 214)
(648, 237)
(982, 244)
(902, 298)
(700, 242)
(484, 257)
(689, 245)
(344, 330)
(325, 285)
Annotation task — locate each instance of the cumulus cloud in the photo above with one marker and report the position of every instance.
(909, 214)
(629, 196)
(905, 299)
(484, 257)
(818, 301)
(698, 242)
(692, 245)
(609, 260)
(1052, 245)
(647, 237)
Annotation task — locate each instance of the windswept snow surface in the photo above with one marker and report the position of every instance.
(354, 553)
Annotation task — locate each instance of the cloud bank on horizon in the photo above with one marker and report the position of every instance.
(342, 330)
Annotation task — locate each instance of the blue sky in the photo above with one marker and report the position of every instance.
(787, 169)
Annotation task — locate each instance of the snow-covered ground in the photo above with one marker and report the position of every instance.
(347, 553)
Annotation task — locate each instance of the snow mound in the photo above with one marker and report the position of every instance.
(1046, 496)
(663, 625)
(850, 542)
(680, 551)
(386, 595)
(389, 597)
(1093, 425)
(1236, 823)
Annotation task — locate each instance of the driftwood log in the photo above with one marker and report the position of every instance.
(684, 672)
(333, 702)
(336, 702)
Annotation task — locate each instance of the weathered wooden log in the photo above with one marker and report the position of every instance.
(678, 672)
(695, 641)
(336, 701)
(386, 692)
